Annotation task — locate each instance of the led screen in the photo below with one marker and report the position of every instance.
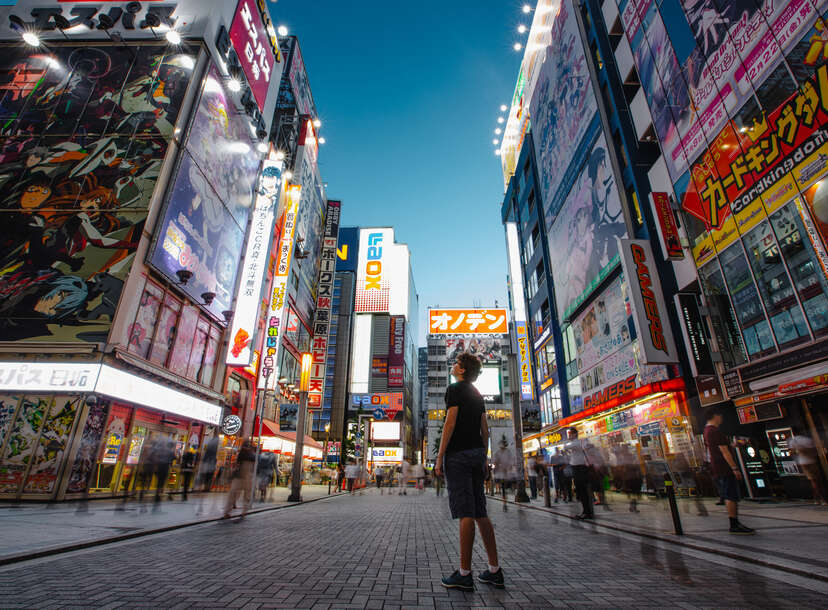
(385, 430)
(488, 383)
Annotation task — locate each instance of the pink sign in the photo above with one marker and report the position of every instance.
(252, 44)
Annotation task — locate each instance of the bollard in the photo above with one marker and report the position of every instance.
(330, 479)
(671, 498)
(547, 497)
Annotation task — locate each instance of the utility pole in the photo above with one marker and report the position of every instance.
(296, 478)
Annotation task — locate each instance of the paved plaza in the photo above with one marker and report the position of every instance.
(373, 551)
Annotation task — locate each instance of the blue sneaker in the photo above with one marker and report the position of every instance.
(458, 581)
(492, 578)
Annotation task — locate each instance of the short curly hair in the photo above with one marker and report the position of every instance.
(471, 366)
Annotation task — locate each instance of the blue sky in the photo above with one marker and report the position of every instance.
(408, 94)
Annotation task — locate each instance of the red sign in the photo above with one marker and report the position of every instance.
(670, 242)
(742, 163)
(252, 44)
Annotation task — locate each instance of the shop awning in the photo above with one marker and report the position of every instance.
(284, 441)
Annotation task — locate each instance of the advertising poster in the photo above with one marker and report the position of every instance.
(604, 327)
(562, 109)
(583, 248)
(51, 447)
(256, 256)
(299, 82)
(87, 453)
(85, 130)
(207, 210)
(8, 407)
(22, 441)
(488, 349)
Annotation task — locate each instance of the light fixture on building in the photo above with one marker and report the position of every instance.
(31, 38)
(322, 140)
(184, 276)
(280, 155)
(173, 37)
(527, 9)
(304, 377)
(521, 29)
(517, 46)
(208, 297)
(498, 131)
(503, 108)
(500, 119)
(283, 31)
(317, 123)
(288, 175)
(228, 315)
(262, 147)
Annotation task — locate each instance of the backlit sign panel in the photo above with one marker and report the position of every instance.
(255, 262)
(275, 311)
(384, 405)
(527, 391)
(655, 335)
(253, 46)
(373, 281)
(396, 352)
(467, 321)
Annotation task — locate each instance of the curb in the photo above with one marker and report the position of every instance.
(60, 550)
(678, 541)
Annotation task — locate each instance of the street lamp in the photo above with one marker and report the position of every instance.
(325, 453)
(304, 382)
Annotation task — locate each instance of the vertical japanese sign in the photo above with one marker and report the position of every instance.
(396, 352)
(324, 294)
(268, 373)
(253, 46)
(524, 361)
(255, 261)
(655, 335)
(667, 227)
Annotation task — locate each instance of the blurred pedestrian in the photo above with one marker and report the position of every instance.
(379, 475)
(241, 479)
(598, 473)
(163, 464)
(580, 470)
(208, 464)
(264, 473)
(532, 472)
(503, 461)
(541, 470)
(724, 469)
(188, 461)
(462, 454)
(147, 466)
(351, 474)
(419, 474)
(405, 474)
(630, 470)
(807, 458)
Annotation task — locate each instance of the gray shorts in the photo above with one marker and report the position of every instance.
(465, 474)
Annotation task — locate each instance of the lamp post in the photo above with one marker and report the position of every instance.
(296, 478)
(517, 420)
(325, 453)
(364, 429)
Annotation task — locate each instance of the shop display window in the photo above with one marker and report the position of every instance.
(140, 336)
(809, 280)
(86, 455)
(722, 316)
(51, 446)
(777, 292)
(165, 332)
(22, 441)
(8, 407)
(198, 348)
(755, 327)
(180, 356)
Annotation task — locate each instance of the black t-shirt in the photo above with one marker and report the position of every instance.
(470, 409)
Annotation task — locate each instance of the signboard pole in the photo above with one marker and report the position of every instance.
(517, 420)
(296, 478)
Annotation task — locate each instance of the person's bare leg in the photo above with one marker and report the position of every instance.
(488, 536)
(732, 509)
(466, 542)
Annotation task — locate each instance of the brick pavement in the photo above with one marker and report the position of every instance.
(377, 551)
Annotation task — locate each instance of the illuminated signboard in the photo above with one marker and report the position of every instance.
(324, 294)
(255, 262)
(467, 321)
(515, 274)
(487, 383)
(667, 227)
(373, 281)
(527, 392)
(655, 335)
(252, 43)
(396, 352)
(385, 430)
(383, 405)
(268, 374)
(386, 455)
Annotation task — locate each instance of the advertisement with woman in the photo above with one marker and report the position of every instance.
(583, 248)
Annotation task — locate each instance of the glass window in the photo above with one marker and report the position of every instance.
(210, 355)
(165, 333)
(804, 267)
(180, 356)
(775, 287)
(198, 348)
(755, 328)
(292, 327)
(140, 336)
(722, 316)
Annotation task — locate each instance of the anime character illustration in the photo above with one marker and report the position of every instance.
(75, 190)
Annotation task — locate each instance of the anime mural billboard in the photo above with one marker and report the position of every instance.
(83, 133)
(562, 109)
(583, 248)
(203, 227)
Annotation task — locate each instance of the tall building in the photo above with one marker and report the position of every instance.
(131, 286)
(742, 156)
(383, 357)
(573, 217)
(484, 333)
